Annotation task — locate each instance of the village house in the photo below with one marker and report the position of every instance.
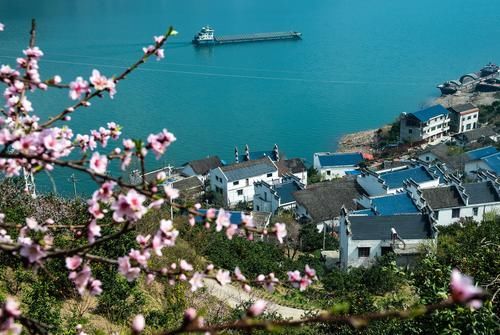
(479, 135)
(391, 181)
(442, 153)
(293, 166)
(486, 158)
(336, 165)
(201, 167)
(430, 125)
(235, 182)
(190, 188)
(463, 118)
(273, 197)
(449, 204)
(321, 203)
(363, 238)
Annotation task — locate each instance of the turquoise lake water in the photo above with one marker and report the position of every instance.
(359, 65)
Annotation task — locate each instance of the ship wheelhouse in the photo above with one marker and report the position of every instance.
(206, 34)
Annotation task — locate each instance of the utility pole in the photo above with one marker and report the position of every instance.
(29, 182)
(73, 180)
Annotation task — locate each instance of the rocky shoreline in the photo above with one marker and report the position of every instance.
(363, 141)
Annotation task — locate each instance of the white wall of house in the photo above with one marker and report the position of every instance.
(188, 171)
(218, 183)
(329, 173)
(467, 122)
(473, 166)
(302, 177)
(446, 217)
(264, 199)
(238, 190)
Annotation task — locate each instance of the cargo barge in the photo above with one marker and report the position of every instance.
(206, 36)
(486, 80)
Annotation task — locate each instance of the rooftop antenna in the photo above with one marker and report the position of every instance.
(276, 153)
(247, 153)
(236, 158)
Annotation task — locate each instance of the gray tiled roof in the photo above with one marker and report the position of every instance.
(481, 193)
(323, 201)
(249, 169)
(202, 166)
(187, 184)
(292, 165)
(462, 108)
(408, 227)
(443, 197)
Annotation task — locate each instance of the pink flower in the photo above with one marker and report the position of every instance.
(190, 314)
(11, 307)
(32, 251)
(140, 257)
(196, 281)
(95, 287)
(78, 87)
(34, 52)
(463, 289)
(231, 231)
(72, 263)
(239, 275)
(257, 308)
(2, 26)
(185, 266)
(124, 267)
(222, 220)
(129, 207)
(160, 142)
(99, 81)
(159, 39)
(94, 230)
(310, 272)
(138, 323)
(160, 54)
(280, 231)
(171, 192)
(223, 277)
(98, 163)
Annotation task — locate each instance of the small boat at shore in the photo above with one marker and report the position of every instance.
(484, 79)
(206, 36)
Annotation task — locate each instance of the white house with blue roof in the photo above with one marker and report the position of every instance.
(486, 158)
(235, 182)
(273, 197)
(430, 125)
(337, 165)
(391, 181)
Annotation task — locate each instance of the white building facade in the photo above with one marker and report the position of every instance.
(336, 165)
(236, 182)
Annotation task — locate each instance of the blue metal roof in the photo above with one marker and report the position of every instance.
(425, 115)
(367, 212)
(394, 204)
(235, 217)
(493, 162)
(340, 159)
(285, 191)
(481, 152)
(395, 179)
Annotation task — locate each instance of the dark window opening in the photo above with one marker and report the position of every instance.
(455, 213)
(363, 251)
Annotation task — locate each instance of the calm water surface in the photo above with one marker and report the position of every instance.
(359, 65)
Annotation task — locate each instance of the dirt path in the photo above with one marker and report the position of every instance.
(233, 297)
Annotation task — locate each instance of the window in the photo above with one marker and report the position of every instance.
(468, 126)
(218, 190)
(427, 158)
(258, 208)
(269, 175)
(236, 182)
(363, 252)
(475, 116)
(469, 117)
(475, 211)
(239, 192)
(455, 213)
(410, 131)
(436, 214)
(328, 172)
(386, 250)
